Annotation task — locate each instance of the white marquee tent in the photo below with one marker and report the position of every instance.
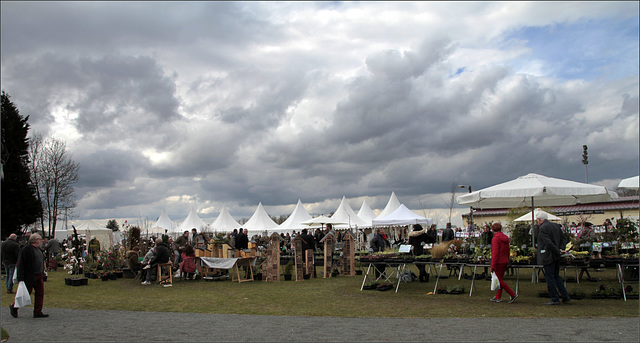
(392, 205)
(346, 214)
(366, 213)
(192, 221)
(402, 216)
(163, 223)
(90, 228)
(224, 222)
(260, 222)
(294, 222)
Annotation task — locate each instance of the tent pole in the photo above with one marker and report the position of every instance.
(533, 221)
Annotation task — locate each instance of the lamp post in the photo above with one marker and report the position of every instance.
(470, 207)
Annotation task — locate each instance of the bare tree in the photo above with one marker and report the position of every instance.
(53, 173)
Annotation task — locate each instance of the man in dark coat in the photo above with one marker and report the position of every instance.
(163, 254)
(10, 250)
(448, 234)
(30, 269)
(551, 244)
(242, 242)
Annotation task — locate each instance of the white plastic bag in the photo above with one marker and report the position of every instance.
(15, 275)
(22, 296)
(495, 283)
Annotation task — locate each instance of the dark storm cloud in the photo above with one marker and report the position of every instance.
(198, 104)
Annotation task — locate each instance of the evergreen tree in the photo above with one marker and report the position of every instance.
(20, 205)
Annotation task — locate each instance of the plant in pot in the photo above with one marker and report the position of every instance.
(257, 272)
(358, 267)
(287, 271)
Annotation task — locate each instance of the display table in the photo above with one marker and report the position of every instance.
(396, 270)
(206, 264)
(620, 267)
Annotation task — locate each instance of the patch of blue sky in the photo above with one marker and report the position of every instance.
(587, 49)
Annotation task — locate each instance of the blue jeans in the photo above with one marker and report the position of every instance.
(10, 269)
(555, 282)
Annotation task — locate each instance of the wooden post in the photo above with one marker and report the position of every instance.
(271, 264)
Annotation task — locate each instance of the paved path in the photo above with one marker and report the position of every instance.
(65, 325)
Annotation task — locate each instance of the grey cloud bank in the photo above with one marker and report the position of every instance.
(202, 104)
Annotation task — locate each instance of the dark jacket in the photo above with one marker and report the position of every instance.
(307, 241)
(28, 264)
(550, 240)
(242, 242)
(10, 251)
(432, 236)
(487, 237)
(448, 235)
(378, 243)
(499, 249)
(417, 237)
(162, 255)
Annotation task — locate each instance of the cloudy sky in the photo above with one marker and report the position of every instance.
(174, 106)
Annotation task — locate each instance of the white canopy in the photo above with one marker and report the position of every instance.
(294, 222)
(321, 220)
(366, 213)
(224, 222)
(163, 223)
(192, 221)
(347, 215)
(544, 191)
(630, 183)
(260, 221)
(402, 216)
(392, 205)
(527, 217)
(90, 228)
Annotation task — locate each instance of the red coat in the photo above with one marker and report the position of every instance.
(188, 264)
(499, 249)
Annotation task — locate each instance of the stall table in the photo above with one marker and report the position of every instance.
(233, 264)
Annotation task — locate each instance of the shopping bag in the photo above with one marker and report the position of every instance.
(495, 283)
(22, 296)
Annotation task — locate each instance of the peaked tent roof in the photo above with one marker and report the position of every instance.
(296, 218)
(346, 214)
(402, 216)
(225, 221)
(164, 222)
(260, 221)
(192, 221)
(392, 205)
(366, 213)
(91, 228)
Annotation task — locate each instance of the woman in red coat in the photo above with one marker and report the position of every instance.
(500, 260)
(188, 265)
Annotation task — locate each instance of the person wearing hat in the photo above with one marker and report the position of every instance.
(551, 242)
(162, 255)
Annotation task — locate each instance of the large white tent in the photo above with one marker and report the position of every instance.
(294, 222)
(260, 221)
(192, 221)
(630, 183)
(224, 222)
(392, 205)
(90, 228)
(366, 213)
(163, 224)
(346, 214)
(402, 216)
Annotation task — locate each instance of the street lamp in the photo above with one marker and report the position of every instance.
(470, 207)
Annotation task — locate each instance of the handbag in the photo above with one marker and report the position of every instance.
(22, 296)
(495, 283)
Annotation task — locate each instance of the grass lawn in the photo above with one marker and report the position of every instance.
(339, 297)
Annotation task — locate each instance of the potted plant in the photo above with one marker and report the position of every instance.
(257, 272)
(287, 270)
(455, 289)
(370, 285)
(576, 294)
